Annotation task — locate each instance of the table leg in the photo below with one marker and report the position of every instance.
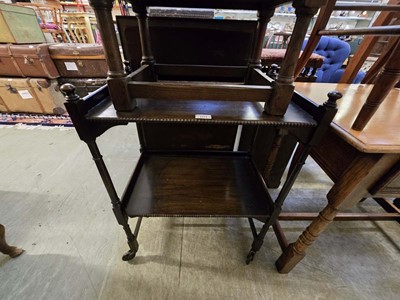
(295, 252)
(347, 191)
(5, 248)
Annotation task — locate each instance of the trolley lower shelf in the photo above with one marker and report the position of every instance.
(200, 184)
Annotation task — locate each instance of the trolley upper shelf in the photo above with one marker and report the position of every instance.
(200, 111)
(228, 4)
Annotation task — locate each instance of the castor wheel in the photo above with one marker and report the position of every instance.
(250, 256)
(129, 255)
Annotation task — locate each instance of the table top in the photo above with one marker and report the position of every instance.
(382, 133)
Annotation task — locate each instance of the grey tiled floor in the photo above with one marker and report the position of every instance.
(54, 205)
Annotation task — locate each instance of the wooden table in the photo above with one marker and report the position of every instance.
(360, 163)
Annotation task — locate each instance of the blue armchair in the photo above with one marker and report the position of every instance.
(335, 52)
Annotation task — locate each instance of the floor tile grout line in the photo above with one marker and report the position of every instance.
(180, 257)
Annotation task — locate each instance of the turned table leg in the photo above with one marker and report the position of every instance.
(5, 248)
(295, 252)
(349, 188)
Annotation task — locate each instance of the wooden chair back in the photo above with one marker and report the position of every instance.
(391, 73)
(81, 26)
(378, 28)
(278, 40)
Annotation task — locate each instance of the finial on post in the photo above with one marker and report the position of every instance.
(69, 92)
(273, 71)
(332, 98)
(127, 68)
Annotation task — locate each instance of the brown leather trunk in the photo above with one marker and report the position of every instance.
(27, 61)
(8, 65)
(31, 95)
(79, 60)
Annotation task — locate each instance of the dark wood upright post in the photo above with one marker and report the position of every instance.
(117, 80)
(145, 40)
(264, 16)
(278, 103)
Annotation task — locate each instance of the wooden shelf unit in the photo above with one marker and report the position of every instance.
(207, 143)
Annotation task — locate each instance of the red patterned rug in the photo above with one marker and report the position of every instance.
(35, 119)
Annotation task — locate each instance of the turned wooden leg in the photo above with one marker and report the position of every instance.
(387, 79)
(6, 249)
(295, 252)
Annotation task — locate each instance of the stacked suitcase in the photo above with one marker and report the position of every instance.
(27, 73)
(31, 71)
(19, 25)
(31, 75)
(27, 82)
(83, 65)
